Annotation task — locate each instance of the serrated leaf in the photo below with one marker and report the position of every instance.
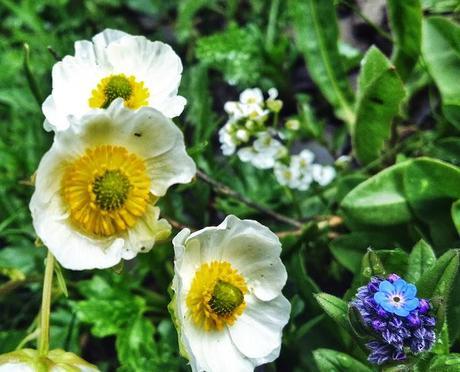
(380, 200)
(335, 307)
(333, 361)
(316, 31)
(235, 52)
(441, 52)
(380, 94)
(421, 259)
(405, 19)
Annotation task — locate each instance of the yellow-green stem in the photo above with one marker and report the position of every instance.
(43, 341)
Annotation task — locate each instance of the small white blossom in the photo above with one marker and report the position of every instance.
(303, 160)
(252, 96)
(243, 135)
(323, 174)
(272, 93)
(286, 175)
(227, 143)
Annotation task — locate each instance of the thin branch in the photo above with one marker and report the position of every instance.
(225, 190)
(32, 82)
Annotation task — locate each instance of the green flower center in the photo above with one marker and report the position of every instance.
(118, 86)
(111, 189)
(225, 298)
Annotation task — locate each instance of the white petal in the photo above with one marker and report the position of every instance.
(172, 167)
(323, 174)
(147, 230)
(56, 119)
(154, 63)
(272, 93)
(254, 251)
(16, 367)
(252, 96)
(246, 153)
(213, 351)
(257, 332)
(72, 249)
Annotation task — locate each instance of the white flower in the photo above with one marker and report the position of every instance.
(227, 140)
(115, 64)
(243, 135)
(264, 151)
(252, 96)
(272, 94)
(287, 176)
(228, 304)
(96, 188)
(323, 174)
(303, 161)
(28, 360)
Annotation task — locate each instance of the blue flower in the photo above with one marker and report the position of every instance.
(398, 297)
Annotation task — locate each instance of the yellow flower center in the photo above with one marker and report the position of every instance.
(112, 87)
(216, 296)
(106, 190)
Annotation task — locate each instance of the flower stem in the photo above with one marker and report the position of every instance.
(43, 341)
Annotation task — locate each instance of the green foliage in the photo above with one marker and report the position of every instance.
(316, 31)
(441, 51)
(330, 360)
(234, 52)
(406, 25)
(380, 92)
(393, 208)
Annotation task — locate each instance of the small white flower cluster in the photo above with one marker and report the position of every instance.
(247, 133)
(301, 172)
(246, 123)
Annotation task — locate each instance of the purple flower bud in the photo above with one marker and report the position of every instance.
(373, 285)
(414, 320)
(393, 277)
(382, 313)
(378, 325)
(423, 306)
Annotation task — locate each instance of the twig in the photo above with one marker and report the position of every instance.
(177, 225)
(225, 190)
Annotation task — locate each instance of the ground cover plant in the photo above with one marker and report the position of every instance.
(229, 185)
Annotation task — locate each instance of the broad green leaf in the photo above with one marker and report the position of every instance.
(442, 342)
(333, 361)
(445, 363)
(406, 26)
(380, 200)
(456, 215)
(421, 259)
(453, 311)
(441, 52)
(316, 31)
(380, 93)
(431, 186)
(335, 307)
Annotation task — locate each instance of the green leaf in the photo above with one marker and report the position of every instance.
(406, 26)
(431, 186)
(456, 215)
(333, 361)
(441, 52)
(380, 92)
(316, 31)
(380, 200)
(421, 259)
(372, 265)
(447, 149)
(445, 363)
(335, 307)
(436, 282)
